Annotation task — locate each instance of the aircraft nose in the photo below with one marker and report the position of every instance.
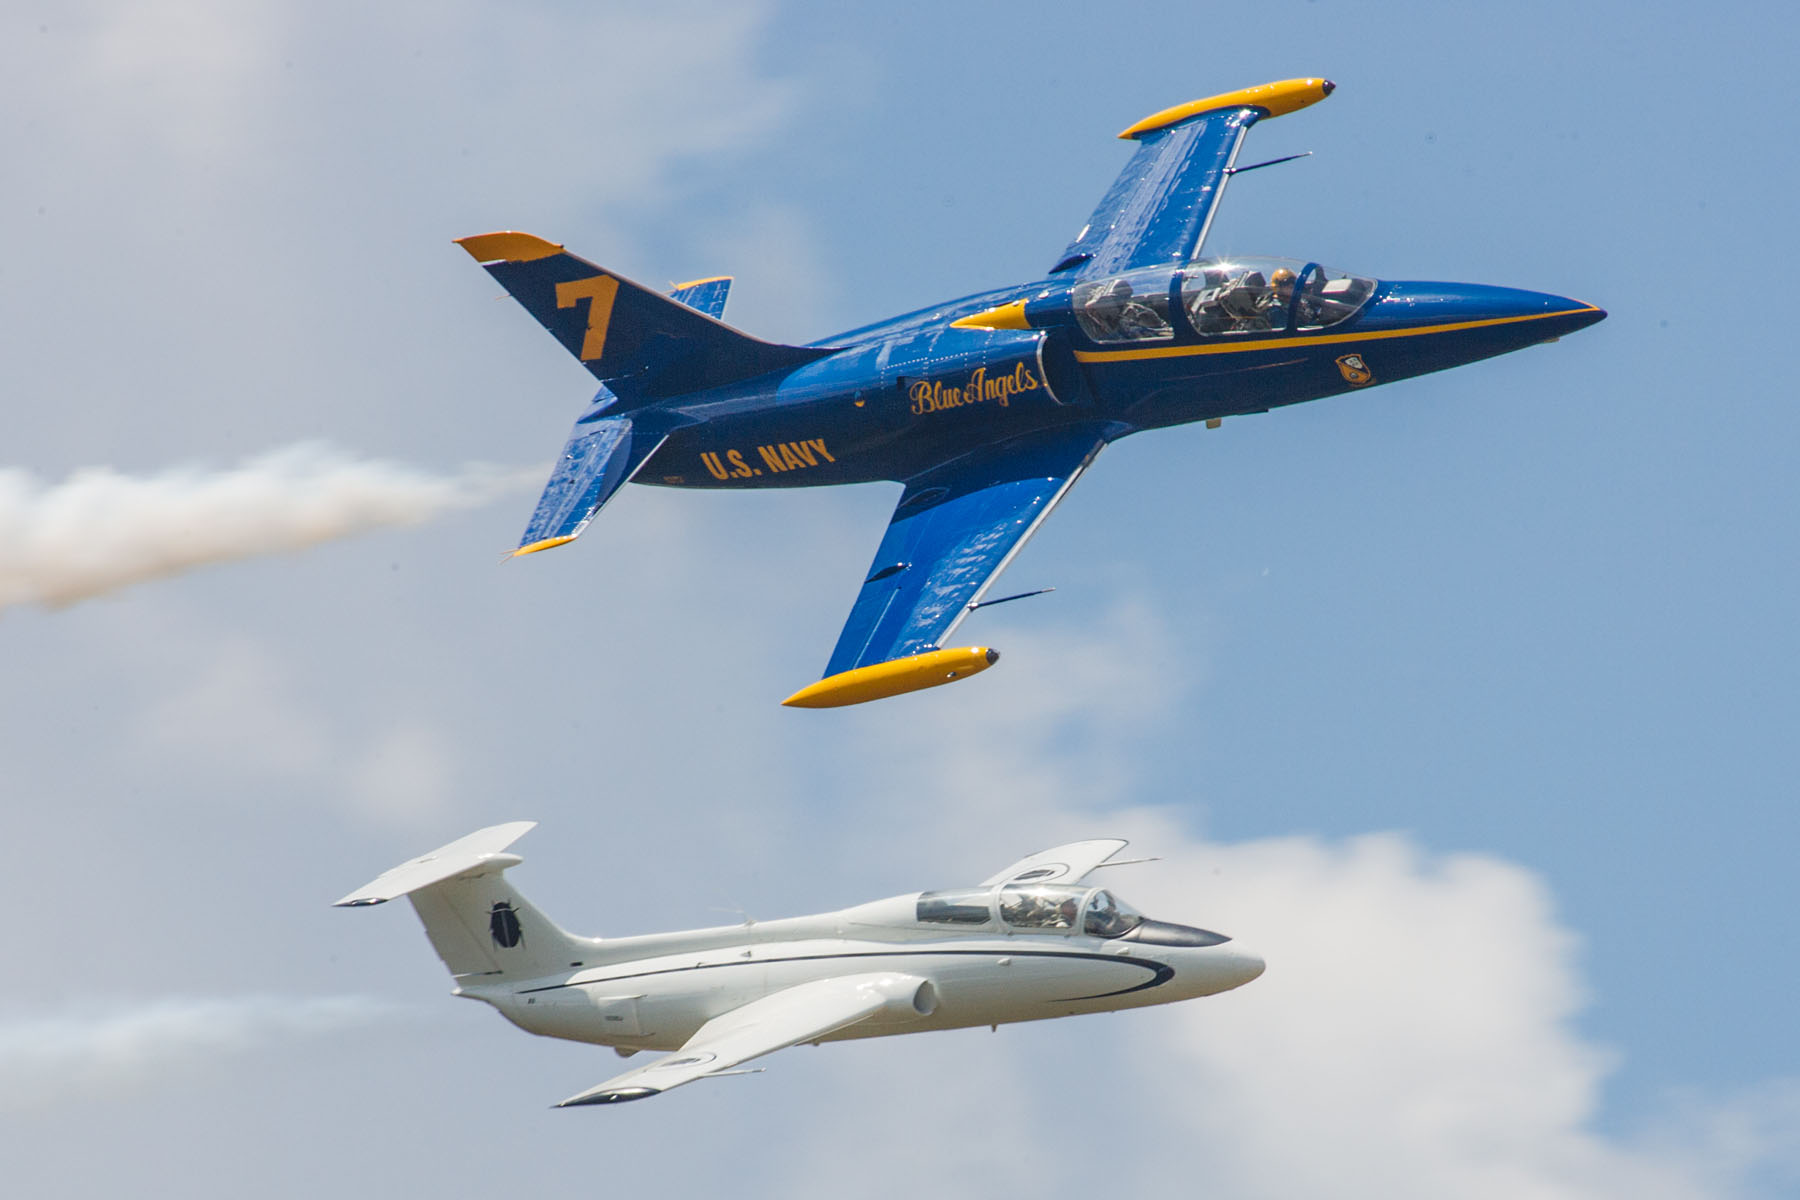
(1532, 316)
(1236, 966)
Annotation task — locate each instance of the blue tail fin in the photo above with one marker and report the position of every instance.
(642, 345)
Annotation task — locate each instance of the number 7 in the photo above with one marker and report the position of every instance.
(599, 291)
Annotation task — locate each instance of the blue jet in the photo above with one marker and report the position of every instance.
(989, 407)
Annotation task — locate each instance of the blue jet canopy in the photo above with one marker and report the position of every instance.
(1218, 296)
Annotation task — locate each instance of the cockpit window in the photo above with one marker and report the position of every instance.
(1257, 295)
(1044, 906)
(1108, 916)
(1327, 297)
(963, 907)
(1126, 308)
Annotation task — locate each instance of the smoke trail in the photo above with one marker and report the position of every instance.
(100, 530)
(99, 1050)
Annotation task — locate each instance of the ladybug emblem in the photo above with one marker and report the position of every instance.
(503, 923)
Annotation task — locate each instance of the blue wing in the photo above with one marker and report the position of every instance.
(955, 528)
(1157, 211)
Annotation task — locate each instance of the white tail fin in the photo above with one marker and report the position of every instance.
(477, 923)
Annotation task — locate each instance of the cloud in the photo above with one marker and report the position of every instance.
(94, 1051)
(1416, 1034)
(100, 530)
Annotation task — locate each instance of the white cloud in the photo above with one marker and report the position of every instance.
(85, 1053)
(1415, 1033)
(100, 530)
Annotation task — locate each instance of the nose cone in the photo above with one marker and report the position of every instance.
(1415, 328)
(1538, 315)
(1235, 966)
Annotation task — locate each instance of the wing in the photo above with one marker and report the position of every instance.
(956, 527)
(798, 1014)
(1158, 209)
(1060, 864)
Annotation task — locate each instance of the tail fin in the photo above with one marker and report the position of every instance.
(643, 345)
(477, 923)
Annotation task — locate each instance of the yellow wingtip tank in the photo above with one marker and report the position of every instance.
(546, 544)
(507, 246)
(931, 669)
(1277, 99)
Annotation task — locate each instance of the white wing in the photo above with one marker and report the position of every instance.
(1060, 864)
(797, 1014)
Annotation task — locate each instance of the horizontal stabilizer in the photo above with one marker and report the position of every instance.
(645, 346)
(601, 455)
(478, 853)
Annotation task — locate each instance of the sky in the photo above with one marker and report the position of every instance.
(1467, 701)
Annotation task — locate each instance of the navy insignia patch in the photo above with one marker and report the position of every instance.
(1355, 371)
(503, 924)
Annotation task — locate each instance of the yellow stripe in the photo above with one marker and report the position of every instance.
(1007, 316)
(1277, 99)
(1311, 340)
(508, 246)
(546, 544)
(697, 282)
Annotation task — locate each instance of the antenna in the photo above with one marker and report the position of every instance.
(1271, 162)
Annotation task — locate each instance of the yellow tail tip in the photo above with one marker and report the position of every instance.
(507, 246)
(894, 677)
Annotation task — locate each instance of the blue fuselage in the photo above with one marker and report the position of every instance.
(908, 394)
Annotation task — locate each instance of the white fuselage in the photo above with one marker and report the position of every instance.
(654, 992)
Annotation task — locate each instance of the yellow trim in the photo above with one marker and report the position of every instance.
(1332, 339)
(697, 282)
(1007, 316)
(546, 544)
(507, 246)
(894, 677)
(1277, 99)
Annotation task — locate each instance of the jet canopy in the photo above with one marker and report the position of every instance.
(1056, 908)
(1218, 296)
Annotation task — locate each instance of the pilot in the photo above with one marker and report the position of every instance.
(1274, 304)
(1283, 283)
(1139, 320)
(1065, 913)
(1245, 300)
(1107, 305)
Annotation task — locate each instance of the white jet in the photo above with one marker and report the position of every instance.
(1031, 942)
